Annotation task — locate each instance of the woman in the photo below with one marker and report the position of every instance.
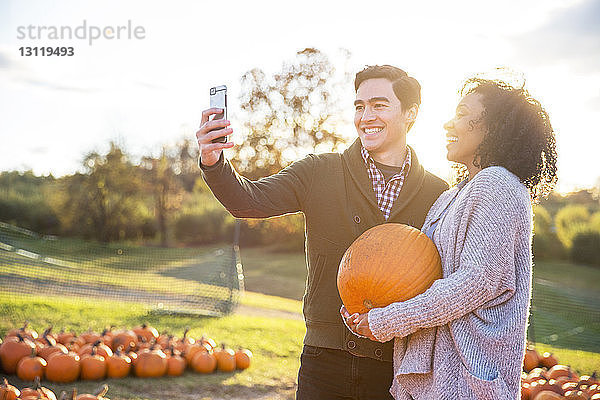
(465, 337)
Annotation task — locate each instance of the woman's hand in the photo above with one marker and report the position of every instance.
(358, 323)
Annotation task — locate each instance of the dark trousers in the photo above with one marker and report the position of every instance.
(328, 374)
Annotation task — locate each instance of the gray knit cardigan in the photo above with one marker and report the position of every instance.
(464, 338)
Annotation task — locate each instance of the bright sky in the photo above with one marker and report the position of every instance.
(147, 92)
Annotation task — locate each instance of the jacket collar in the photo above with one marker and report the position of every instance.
(355, 164)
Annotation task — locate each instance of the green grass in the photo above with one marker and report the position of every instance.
(566, 306)
(584, 362)
(279, 274)
(275, 342)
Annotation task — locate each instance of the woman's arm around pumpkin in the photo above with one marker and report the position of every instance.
(495, 214)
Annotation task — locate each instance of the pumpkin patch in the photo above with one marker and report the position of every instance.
(112, 353)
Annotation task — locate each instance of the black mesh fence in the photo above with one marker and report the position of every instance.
(202, 281)
(564, 316)
(183, 280)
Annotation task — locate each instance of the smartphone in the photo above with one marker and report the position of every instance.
(218, 99)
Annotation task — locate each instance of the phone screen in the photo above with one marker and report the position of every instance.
(218, 99)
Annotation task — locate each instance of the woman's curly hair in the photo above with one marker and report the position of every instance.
(519, 136)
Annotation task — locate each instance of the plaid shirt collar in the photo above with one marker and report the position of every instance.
(386, 195)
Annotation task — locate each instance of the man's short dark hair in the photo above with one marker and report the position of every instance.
(406, 88)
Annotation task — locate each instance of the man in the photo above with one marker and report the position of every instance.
(378, 179)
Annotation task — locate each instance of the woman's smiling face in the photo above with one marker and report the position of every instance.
(466, 130)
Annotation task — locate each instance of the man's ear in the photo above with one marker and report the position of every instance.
(412, 113)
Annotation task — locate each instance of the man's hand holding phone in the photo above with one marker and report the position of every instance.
(210, 151)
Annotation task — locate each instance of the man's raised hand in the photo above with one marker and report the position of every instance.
(209, 130)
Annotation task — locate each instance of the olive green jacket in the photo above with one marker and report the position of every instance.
(336, 195)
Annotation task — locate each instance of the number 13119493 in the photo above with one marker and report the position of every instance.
(46, 51)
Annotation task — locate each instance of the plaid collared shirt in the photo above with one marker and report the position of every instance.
(386, 194)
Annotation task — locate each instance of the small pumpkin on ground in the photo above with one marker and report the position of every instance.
(100, 347)
(37, 392)
(13, 350)
(65, 337)
(31, 367)
(204, 363)
(90, 336)
(183, 343)
(531, 359)
(243, 357)
(175, 363)
(8, 391)
(548, 360)
(193, 349)
(151, 363)
(225, 359)
(118, 365)
(93, 366)
(24, 331)
(63, 368)
(98, 395)
(126, 338)
(146, 332)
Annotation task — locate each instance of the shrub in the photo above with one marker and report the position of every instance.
(569, 221)
(30, 213)
(586, 248)
(545, 243)
(206, 227)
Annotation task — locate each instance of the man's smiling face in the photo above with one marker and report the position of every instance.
(379, 120)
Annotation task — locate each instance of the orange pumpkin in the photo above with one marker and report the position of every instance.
(193, 349)
(183, 343)
(100, 347)
(63, 368)
(548, 395)
(208, 341)
(204, 362)
(576, 395)
(118, 365)
(548, 360)
(543, 385)
(99, 395)
(31, 367)
(225, 359)
(387, 263)
(562, 370)
(37, 392)
(243, 358)
(24, 332)
(47, 339)
(151, 363)
(126, 338)
(90, 336)
(47, 351)
(146, 332)
(13, 350)
(8, 391)
(175, 363)
(93, 366)
(107, 336)
(531, 359)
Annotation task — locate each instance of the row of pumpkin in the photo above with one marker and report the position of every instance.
(140, 351)
(544, 378)
(38, 392)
